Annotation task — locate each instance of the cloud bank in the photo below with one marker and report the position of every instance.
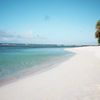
(28, 37)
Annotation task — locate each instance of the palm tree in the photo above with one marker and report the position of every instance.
(97, 34)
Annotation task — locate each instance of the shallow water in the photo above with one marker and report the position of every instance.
(14, 60)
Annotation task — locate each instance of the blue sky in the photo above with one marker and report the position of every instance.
(49, 21)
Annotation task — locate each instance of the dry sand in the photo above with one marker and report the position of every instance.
(75, 79)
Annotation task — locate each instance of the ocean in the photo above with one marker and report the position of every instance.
(16, 61)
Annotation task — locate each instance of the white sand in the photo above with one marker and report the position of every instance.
(75, 79)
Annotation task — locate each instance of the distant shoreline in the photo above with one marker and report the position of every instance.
(40, 45)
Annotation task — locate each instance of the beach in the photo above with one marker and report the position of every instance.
(77, 78)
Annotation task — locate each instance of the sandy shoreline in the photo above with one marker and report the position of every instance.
(74, 79)
(36, 69)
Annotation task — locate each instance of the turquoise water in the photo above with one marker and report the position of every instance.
(14, 60)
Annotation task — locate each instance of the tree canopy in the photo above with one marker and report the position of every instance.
(98, 24)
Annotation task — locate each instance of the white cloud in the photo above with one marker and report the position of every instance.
(26, 37)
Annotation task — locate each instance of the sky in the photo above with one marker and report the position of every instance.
(69, 22)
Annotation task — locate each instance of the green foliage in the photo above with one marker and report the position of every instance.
(98, 24)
